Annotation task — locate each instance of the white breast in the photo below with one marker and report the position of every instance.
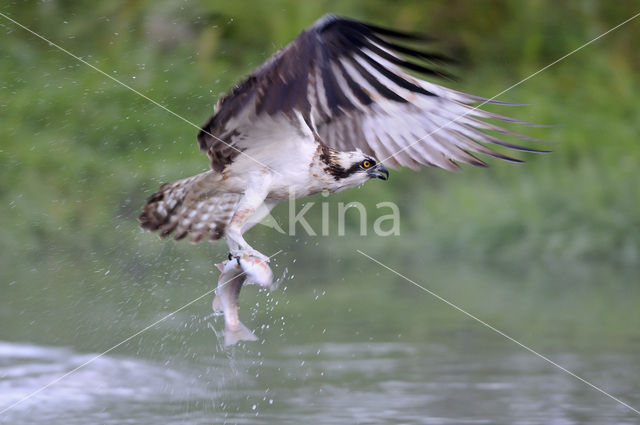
(288, 150)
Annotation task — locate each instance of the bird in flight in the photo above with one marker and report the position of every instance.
(328, 112)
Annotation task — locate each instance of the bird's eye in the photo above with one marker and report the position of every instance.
(366, 163)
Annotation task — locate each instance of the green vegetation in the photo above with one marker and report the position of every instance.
(79, 153)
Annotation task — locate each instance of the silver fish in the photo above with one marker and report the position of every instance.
(226, 300)
(258, 271)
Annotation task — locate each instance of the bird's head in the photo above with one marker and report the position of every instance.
(350, 169)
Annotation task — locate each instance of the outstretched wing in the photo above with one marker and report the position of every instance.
(348, 81)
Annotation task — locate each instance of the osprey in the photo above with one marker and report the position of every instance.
(326, 113)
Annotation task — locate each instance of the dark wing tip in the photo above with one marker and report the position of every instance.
(202, 140)
(359, 34)
(204, 135)
(399, 35)
(328, 20)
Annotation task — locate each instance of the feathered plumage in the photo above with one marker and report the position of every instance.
(313, 118)
(348, 81)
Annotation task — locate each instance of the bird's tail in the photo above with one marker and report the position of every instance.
(190, 206)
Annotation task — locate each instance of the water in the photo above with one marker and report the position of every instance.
(358, 346)
(345, 383)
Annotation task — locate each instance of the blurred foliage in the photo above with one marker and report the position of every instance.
(79, 153)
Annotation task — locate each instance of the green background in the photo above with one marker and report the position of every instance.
(548, 251)
(79, 153)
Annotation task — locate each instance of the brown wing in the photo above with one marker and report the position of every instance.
(349, 81)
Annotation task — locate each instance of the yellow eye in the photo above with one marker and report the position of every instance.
(366, 164)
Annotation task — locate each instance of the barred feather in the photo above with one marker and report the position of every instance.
(190, 207)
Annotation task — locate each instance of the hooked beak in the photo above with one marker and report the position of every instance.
(379, 172)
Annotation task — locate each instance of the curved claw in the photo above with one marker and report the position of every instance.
(255, 266)
(247, 254)
(236, 257)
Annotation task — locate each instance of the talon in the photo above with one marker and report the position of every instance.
(245, 253)
(235, 255)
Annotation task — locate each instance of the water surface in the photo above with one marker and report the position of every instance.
(359, 347)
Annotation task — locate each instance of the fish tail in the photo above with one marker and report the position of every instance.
(242, 333)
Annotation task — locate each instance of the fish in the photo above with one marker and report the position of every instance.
(233, 274)
(230, 283)
(257, 270)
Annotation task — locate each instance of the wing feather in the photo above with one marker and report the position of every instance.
(349, 82)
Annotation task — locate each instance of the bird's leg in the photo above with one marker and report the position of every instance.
(237, 245)
(254, 196)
